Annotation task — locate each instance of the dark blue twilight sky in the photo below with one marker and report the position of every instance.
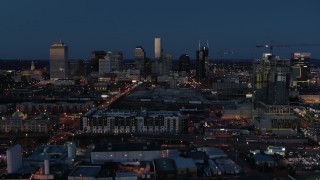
(28, 27)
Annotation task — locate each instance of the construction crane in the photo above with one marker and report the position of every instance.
(271, 46)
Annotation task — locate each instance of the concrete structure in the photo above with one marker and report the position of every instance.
(58, 61)
(125, 153)
(14, 159)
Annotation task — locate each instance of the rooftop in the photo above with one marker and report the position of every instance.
(128, 147)
(86, 171)
(51, 152)
(164, 165)
(262, 157)
(185, 163)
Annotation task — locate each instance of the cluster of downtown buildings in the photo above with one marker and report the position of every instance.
(268, 83)
(105, 62)
(266, 86)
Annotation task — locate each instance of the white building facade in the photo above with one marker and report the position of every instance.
(124, 122)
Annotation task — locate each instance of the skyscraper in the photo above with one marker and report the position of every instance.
(139, 58)
(105, 64)
(271, 112)
(58, 61)
(271, 80)
(300, 64)
(165, 64)
(117, 60)
(157, 48)
(202, 57)
(95, 56)
(184, 63)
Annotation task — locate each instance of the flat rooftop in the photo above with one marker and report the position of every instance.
(164, 165)
(50, 151)
(128, 147)
(86, 171)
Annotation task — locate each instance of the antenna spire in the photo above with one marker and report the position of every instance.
(199, 45)
(207, 43)
(60, 38)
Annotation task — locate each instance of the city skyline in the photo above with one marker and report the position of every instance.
(30, 27)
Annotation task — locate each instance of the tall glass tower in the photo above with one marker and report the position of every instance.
(157, 49)
(202, 57)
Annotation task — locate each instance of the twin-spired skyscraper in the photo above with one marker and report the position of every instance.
(58, 61)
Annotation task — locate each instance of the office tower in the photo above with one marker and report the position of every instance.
(202, 57)
(58, 61)
(157, 49)
(14, 159)
(105, 64)
(166, 63)
(184, 63)
(147, 66)
(271, 79)
(74, 68)
(300, 64)
(139, 58)
(117, 60)
(163, 65)
(95, 56)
